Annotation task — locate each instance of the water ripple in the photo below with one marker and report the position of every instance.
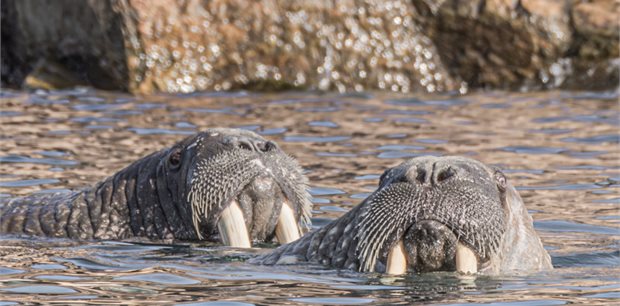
(32, 160)
(27, 183)
(400, 147)
(298, 138)
(216, 303)
(595, 259)
(333, 301)
(561, 187)
(273, 131)
(568, 226)
(399, 154)
(8, 271)
(611, 138)
(160, 278)
(158, 131)
(418, 102)
(368, 177)
(533, 150)
(323, 191)
(39, 289)
(328, 124)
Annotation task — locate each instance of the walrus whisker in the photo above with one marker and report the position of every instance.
(204, 196)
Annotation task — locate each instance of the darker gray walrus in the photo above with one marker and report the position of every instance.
(428, 214)
(224, 185)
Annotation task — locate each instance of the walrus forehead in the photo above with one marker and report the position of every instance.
(470, 193)
(464, 169)
(232, 132)
(211, 139)
(220, 134)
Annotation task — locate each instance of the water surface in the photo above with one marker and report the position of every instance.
(561, 150)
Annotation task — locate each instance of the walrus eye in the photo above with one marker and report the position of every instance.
(402, 179)
(386, 174)
(175, 158)
(500, 179)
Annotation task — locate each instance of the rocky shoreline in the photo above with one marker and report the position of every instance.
(184, 46)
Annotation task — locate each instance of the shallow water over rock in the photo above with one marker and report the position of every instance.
(560, 149)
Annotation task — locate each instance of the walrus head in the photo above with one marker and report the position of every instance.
(428, 214)
(239, 187)
(434, 214)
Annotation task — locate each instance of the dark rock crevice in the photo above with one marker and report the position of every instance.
(83, 37)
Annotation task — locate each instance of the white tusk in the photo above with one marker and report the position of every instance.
(231, 227)
(286, 229)
(397, 259)
(466, 261)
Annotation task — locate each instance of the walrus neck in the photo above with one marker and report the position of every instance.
(141, 199)
(135, 202)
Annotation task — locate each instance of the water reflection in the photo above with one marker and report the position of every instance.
(39, 289)
(299, 138)
(328, 124)
(46, 161)
(559, 148)
(27, 183)
(613, 138)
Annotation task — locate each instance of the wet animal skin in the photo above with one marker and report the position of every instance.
(428, 214)
(225, 185)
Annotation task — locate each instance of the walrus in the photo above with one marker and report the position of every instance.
(428, 214)
(226, 185)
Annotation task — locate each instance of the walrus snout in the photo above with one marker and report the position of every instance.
(263, 210)
(430, 246)
(251, 143)
(260, 211)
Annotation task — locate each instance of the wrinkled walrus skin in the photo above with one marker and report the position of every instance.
(428, 214)
(178, 193)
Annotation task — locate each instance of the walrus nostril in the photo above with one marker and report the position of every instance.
(445, 174)
(270, 146)
(246, 145)
(265, 146)
(255, 145)
(261, 146)
(421, 177)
